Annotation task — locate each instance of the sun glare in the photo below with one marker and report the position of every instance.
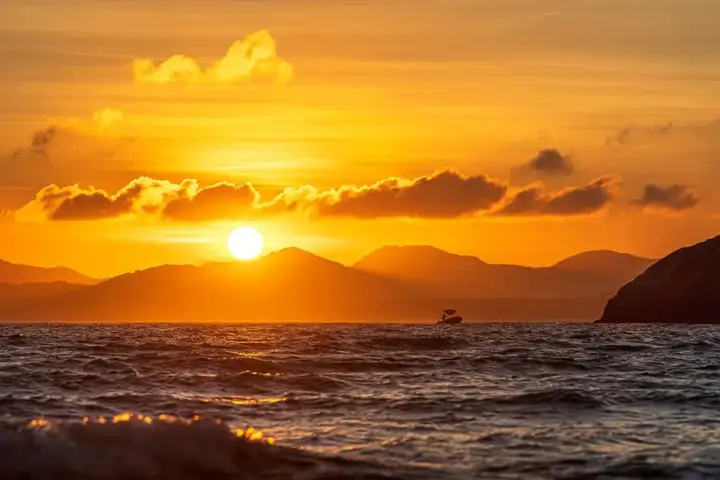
(245, 243)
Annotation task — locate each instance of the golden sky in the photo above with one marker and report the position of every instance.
(140, 132)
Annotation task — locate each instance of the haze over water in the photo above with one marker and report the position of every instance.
(411, 401)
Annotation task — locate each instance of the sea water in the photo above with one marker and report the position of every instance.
(359, 401)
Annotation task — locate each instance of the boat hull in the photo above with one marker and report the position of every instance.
(451, 321)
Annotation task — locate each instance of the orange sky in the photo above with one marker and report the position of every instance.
(343, 115)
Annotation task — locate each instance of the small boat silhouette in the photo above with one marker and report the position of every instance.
(449, 317)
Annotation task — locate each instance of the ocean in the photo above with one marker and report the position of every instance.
(359, 401)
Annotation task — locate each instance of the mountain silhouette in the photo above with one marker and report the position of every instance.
(16, 273)
(391, 284)
(458, 276)
(289, 284)
(683, 287)
(11, 293)
(607, 262)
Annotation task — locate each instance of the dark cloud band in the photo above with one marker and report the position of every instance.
(441, 195)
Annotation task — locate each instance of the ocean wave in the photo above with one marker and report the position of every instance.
(546, 400)
(135, 446)
(693, 344)
(555, 397)
(15, 339)
(624, 347)
(529, 362)
(689, 397)
(648, 465)
(415, 343)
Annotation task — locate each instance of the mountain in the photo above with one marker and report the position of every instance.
(683, 287)
(289, 285)
(606, 262)
(457, 276)
(13, 293)
(15, 273)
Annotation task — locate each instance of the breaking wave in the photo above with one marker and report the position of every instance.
(136, 446)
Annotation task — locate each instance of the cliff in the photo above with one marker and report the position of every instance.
(683, 287)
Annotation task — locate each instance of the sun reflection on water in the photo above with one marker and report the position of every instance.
(249, 433)
(243, 400)
(262, 374)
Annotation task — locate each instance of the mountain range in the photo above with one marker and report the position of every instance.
(410, 283)
(454, 276)
(16, 274)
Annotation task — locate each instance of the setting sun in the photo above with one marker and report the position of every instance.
(245, 243)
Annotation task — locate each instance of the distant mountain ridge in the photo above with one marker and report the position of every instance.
(451, 275)
(390, 284)
(16, 274)
(607, 262)
(290, 284)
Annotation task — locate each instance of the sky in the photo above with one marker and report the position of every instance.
(141, 132)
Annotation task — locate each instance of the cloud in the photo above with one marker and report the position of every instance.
(704, 132)
(585, 200)
(673, 198)
(253, 59)
(142, 195)
(440, 195)
(550, 162)
(36, 163)
(184, 201)
(41, 140)
(107, 121)
(216, 202)
(630, 134)
(445, 194)
(30, 165)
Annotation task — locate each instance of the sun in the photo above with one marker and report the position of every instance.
(245, 243)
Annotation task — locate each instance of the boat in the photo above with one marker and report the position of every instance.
(450, 317)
